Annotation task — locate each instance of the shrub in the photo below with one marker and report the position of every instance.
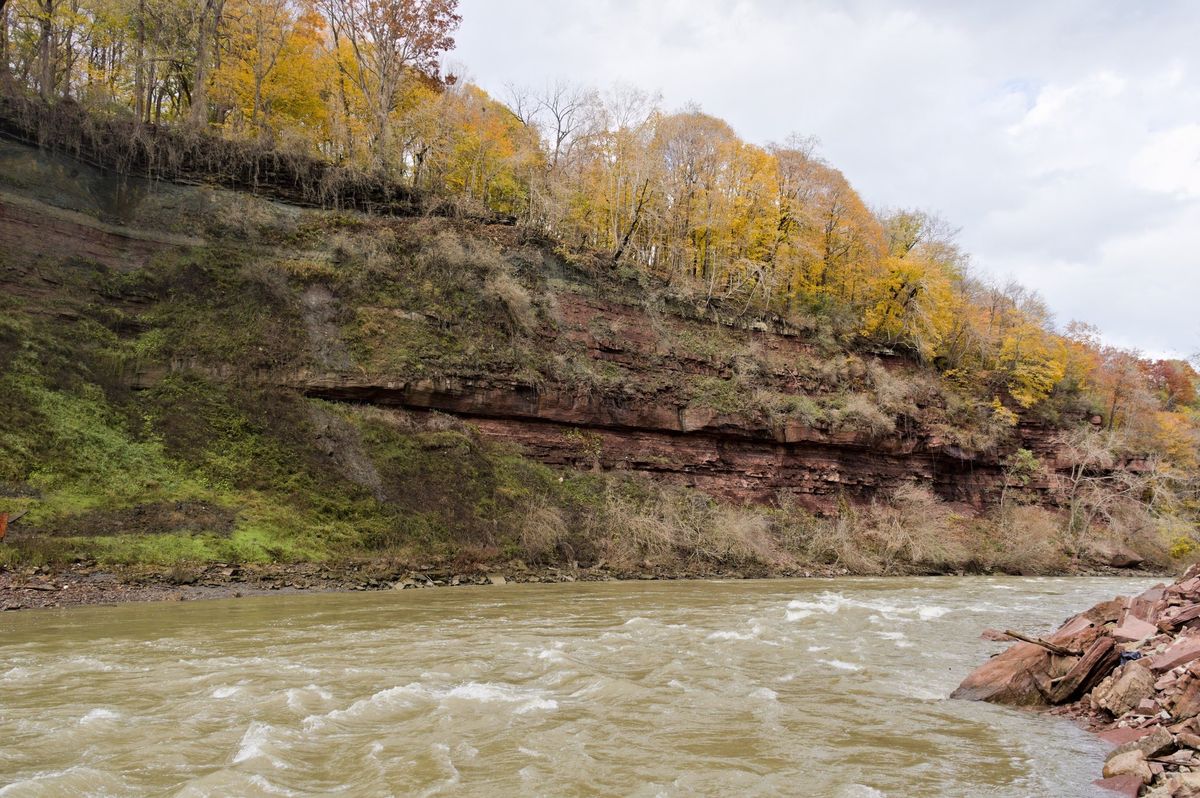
(860, 412)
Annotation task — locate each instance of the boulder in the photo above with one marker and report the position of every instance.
(1129, 763)
(496, 579)
(1156, 743)
(1131, 684)
(1121, 556)
(1008, 678)
(1147, 706)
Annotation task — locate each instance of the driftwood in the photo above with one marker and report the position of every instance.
(1046, 644)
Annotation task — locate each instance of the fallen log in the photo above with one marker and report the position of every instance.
(1053, 648)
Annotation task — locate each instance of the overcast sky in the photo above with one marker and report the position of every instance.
(1062, 137)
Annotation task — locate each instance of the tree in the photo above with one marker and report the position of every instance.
(388, 42)
(206, 42)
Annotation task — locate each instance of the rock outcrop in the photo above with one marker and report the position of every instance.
(610, 379)
(1130, 668)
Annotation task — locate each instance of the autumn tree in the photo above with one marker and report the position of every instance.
(387, 43)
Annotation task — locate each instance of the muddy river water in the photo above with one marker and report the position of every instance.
(756, 688)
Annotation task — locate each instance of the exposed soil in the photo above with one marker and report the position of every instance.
(151, 518)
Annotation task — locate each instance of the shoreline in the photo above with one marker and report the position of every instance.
(1127, 670)
(91, 584)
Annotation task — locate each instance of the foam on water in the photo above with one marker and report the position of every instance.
(832, 603)
(526, 701)
(861, 791)
(98, 714)
(73, 781)
(764, 693)
(729, 635)
(299, 697)
(255, 743)
(840, 665)
(394, 699)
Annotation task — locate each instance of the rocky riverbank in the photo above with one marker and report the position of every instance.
(91, 583)
(1129, 669)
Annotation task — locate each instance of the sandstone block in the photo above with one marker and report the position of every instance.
(1130, 763)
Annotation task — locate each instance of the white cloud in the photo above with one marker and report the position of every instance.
(1062, 137)
(1170, 162)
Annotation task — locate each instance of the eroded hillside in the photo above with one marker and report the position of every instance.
(194, 372)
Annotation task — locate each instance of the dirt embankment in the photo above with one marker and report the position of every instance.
(1130, 669)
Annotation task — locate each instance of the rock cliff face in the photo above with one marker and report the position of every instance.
(736, 456)
(678, 391)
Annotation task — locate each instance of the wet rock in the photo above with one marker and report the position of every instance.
(1008, 678)
(1129, 763)
(496, 579)
(1122, 735)
(1128, 785)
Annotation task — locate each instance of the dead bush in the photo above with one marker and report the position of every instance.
(1025, 539)
(543, 531)
(861, 412)
(513, 297)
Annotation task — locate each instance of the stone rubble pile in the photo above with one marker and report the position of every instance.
(1130, 668)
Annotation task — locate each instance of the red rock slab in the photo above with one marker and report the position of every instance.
(1153, 594)
(1182, 651)
(1120, 736)
(1187, 614)
(1071, 628)
(1125, 785)
(1008, 678)
(1143, 609)
(1134, 629)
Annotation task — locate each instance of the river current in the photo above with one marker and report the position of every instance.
(758, 688)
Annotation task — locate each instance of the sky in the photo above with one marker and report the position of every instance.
(1061, 137)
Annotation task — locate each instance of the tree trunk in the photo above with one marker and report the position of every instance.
(210, 19)
(4, 76)
(139, 66)
(46, 63)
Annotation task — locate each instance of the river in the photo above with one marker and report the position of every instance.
(757, 688)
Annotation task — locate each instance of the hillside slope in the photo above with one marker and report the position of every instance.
(198, 374)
